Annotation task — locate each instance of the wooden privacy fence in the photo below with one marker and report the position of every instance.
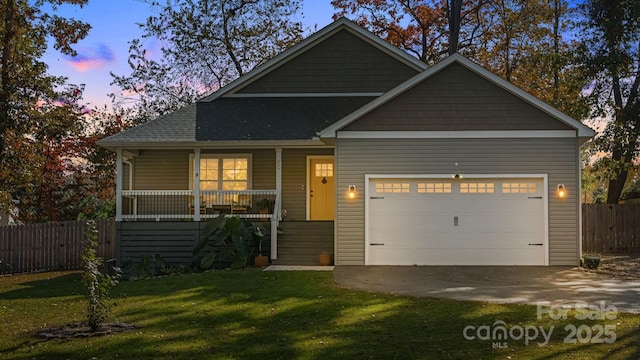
(51, 246)
(608, 228)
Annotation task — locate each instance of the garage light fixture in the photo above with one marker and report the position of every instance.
(561, 191)
(351, 192)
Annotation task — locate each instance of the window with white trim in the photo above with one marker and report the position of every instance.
(224, 172)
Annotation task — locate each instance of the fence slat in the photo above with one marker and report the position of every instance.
(51, 246)
(611, 228)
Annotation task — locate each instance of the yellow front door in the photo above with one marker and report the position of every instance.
(321, 189)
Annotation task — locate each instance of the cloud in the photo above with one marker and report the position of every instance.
(90, 59)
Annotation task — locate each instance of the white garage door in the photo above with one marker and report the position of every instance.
(484, 221)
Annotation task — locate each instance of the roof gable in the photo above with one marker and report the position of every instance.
(477, 71)
(316, 39)
(456, 99)
(342, 63)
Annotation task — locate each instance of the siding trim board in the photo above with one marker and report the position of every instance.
(211, 145)
(298, 95)
(457, 134)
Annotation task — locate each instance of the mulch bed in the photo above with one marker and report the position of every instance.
(79, 330)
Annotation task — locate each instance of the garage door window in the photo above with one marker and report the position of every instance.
(434, 188)
(519, 188)
(477, 188)
(392, 187)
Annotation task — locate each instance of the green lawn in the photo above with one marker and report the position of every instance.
(279, 315)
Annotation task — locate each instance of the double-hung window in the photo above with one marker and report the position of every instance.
(224, 172)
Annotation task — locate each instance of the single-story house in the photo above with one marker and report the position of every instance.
(353, 147)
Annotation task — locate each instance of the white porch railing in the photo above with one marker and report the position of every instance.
(180, 204)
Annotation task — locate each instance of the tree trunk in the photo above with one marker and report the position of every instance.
(454, 9)
(615, 187)
(6, 122)
(556, 53)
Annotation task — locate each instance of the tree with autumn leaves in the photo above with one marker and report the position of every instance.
(44, 133)
(610, 56)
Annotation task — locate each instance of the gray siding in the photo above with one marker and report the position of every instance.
(174, 241)
(556, 157)
(294, 181)
(456, 99)
(341, 63)
(169, 169)
(161, 170)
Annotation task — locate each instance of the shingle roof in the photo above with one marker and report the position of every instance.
(225, 119)
(178, 126)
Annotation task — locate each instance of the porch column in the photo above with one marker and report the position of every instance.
(277, 214)
(196, 185)
(119, 184)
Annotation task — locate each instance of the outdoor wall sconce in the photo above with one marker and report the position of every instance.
(352, 192)
(561, 191)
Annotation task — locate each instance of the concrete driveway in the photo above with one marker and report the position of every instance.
(501, 284)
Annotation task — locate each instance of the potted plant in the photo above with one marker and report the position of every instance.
(324, 259)
(260, 260)
(591, 262)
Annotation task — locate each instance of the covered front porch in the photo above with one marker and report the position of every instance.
(192, 185)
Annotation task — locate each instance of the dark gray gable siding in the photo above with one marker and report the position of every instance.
(456, 99)
(271, 118)
(341, 63)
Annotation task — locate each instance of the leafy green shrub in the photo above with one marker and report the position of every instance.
(98, 283)
(230, 238)
(155, 265)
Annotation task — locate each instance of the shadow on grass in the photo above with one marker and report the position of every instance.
(47, 285)
(252, 314)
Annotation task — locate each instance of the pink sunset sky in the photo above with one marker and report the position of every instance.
(106, 47)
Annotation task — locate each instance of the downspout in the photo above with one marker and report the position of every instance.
(135, 200)
(196, 185)
(277, 213)
(130, 173)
